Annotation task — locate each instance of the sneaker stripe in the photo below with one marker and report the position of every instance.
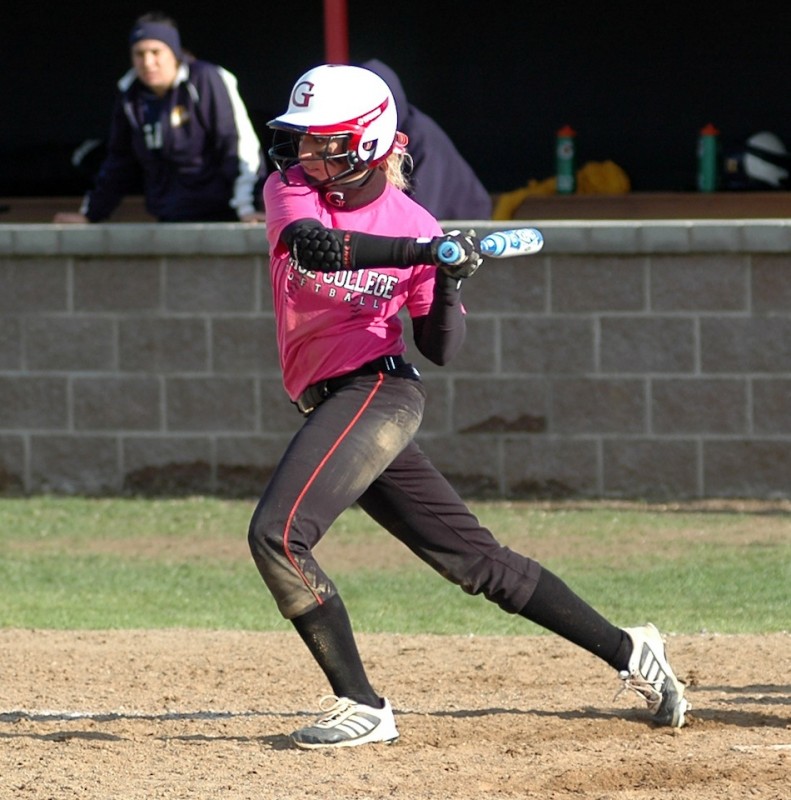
(356, 726)
(650, 667)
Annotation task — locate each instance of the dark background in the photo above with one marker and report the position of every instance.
(636, 80)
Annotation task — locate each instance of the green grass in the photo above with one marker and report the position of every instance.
(76, 563)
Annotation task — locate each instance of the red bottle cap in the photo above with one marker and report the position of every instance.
(567, 130)
(709, 130)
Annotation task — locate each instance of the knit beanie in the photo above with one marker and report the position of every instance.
(160, 31)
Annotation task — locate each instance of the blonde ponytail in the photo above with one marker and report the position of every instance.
(397, 168)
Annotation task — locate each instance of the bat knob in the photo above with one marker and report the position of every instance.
(449, 253)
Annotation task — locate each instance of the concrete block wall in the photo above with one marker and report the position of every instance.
(629, 360)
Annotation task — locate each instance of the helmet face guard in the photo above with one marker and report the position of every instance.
(332, 102)
(285, 154)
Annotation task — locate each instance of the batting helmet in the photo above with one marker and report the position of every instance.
(766, 159)
(336, 100)
(761, 163)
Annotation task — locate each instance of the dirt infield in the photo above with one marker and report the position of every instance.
(140, 715)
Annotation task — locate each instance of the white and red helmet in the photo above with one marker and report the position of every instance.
(335, 100)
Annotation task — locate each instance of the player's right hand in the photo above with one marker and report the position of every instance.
(457, 254)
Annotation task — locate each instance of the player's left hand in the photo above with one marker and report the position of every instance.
(457, 254)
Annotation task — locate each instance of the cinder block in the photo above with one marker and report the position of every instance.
(564, 236)
(69, 343)
(74, 464)
(133, 239)
(210, 404)
(598, 283)
(223, 283)
(220, 239)
(650, 469)
(766, 236)
(82, 240)
(549, 467)
(140, 452)
(547, 345)
(122, 404)
(699, 406)
(500, 405)
(12, 465)
(10, 343)
(615, 236)
(167, 465)
(33, 403)
(747, 468)
(244, 344)
(745, 345)
(6, 240)
(771, 283)
(718, 236)
(126, 284)
(29, 285)
(772, 407)
(37, 240)
(581, 406)
(699, 283)
(660, 236)
(163, 344)
(188, 238)
(647, 344)
(516, 285)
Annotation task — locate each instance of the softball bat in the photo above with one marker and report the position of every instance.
(499, 244)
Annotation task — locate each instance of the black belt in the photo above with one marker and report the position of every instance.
(317, 393)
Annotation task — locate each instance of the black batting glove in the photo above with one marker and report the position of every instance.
(457, 254)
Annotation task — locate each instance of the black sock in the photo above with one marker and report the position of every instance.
(327, 632)
(555, 607)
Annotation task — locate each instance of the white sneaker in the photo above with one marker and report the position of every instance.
(347, 724)
(650, 676)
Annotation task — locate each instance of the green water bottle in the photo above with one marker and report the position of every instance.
(708, 159)
(565, 161)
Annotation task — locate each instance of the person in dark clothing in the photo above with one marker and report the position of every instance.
(351, 258)
(180, 123)
(441, 179)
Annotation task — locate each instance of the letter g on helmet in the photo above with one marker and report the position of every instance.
(301, 94)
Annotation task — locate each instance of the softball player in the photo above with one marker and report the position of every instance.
(349, 250)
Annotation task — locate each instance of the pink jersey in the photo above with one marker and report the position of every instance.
(330, 323)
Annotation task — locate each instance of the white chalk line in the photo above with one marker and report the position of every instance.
(54, 715)
(751, 748)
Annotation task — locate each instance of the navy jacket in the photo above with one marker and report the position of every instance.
(196, 149)
(442, 180)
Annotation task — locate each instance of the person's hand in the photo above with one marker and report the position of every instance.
(457, 254)
(256, 216)
(70, 218)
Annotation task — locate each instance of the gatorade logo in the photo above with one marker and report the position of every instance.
(302, 93)
(565, 149)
